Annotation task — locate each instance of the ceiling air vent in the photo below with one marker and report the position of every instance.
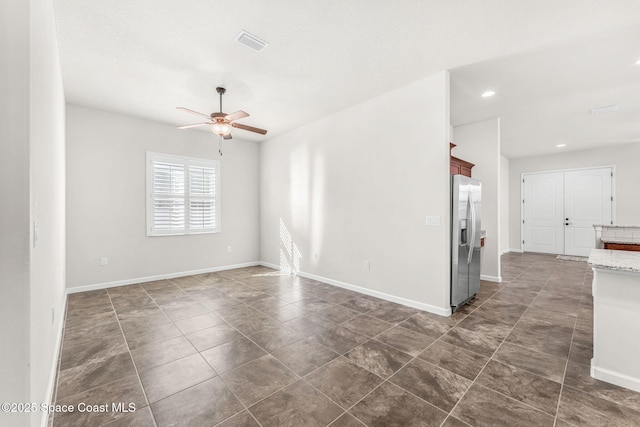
(251, 41)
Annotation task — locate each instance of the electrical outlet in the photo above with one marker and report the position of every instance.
(53, 315)
(316, 256)
(366, 265)
(104, 261)
(229, 249)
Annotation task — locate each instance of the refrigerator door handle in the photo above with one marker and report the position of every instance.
(472, 239)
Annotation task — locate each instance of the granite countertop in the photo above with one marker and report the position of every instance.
(615, 260)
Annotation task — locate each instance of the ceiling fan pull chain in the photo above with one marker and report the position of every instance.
(220, 145)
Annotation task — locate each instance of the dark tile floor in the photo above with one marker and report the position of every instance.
(250, 347)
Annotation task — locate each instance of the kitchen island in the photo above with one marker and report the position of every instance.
(616, 321)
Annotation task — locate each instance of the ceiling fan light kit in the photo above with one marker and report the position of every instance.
(221, 129)
(221, 123)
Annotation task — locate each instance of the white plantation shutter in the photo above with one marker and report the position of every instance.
(183, 195)
(168, 196)
(202, 200)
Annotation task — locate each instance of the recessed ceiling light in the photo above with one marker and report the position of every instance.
(488, 94)
(561, 145)
(638, 62)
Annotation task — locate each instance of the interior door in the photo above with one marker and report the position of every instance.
(560, 209)
(543, 207)
(587, 202)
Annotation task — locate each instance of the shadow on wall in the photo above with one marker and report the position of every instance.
(289, 253)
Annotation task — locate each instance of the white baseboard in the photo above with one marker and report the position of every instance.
(506, 251)
(497, 279)
(616, 378)
(93, 287)
(268, 264)
(519, 251)
(54, 364)
(388, 297)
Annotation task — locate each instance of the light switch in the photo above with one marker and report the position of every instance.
(35, 234)
(433, 221)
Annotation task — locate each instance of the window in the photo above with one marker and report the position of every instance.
(183, 195)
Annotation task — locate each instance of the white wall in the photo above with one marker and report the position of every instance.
(106, 211)
(47, 184)
(504, 205)
(357, 185)
(14, 221)
(32, 168)
(624, 157)
(479, 143)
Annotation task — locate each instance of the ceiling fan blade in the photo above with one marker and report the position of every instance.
(228, 137)
(193, 112)
(249, 128)
(195, 125)
(236, 116)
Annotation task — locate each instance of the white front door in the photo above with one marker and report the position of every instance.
(587, 202)
(560, 209)
(543, 205)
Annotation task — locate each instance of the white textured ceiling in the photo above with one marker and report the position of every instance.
(145, 57)
(544, 96)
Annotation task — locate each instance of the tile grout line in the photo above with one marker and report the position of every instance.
(303, 378)
(144, 392)
(100, 385)
(491, 358)
(172, 321)
(245, 336)
(203, 358)
(200, 352)
(393, 325)
(298, 377)
(566, 366)
(384, 380)
(219, 375)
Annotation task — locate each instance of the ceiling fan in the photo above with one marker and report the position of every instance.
(221, 123)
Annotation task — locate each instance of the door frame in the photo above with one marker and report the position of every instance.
(613, 192)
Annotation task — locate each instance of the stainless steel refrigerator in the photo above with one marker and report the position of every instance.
(466, 204)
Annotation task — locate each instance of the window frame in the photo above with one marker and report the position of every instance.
(186, 162)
